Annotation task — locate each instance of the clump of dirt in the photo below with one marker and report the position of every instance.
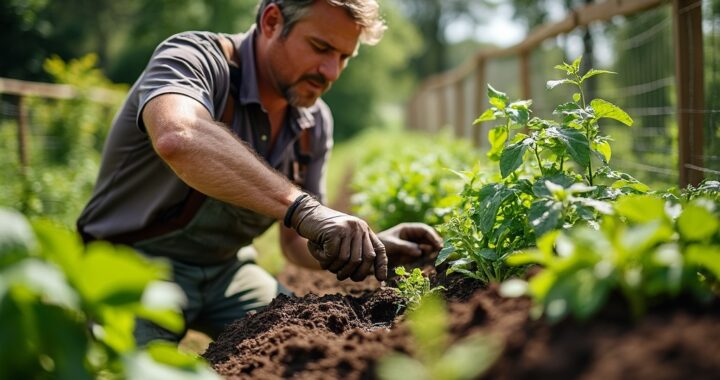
(311, 337)
(342, 335)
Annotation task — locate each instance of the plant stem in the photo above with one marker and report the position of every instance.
(562, 163)
(540, 165)
(590, 173)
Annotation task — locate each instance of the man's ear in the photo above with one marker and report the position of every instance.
(271, 21)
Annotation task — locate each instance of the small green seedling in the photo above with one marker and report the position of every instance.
(413, 286)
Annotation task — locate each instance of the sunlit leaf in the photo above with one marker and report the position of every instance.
(697, 223)
(594, 72)
(604, 109)
(486, 116)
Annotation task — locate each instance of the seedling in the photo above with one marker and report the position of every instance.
(413, 286)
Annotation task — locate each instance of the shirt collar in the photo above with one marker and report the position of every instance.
(248, 87)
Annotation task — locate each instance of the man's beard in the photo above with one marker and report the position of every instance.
(295, 99)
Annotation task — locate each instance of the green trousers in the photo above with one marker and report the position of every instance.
(217, 295)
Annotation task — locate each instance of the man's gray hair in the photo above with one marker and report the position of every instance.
(366, 13)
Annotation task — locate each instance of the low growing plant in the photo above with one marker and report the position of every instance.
(413, 286)
(553, 174)
(651, 249)
(435, 358)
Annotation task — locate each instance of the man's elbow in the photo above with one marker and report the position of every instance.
(172, 144)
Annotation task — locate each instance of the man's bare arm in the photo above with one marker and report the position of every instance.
(209, 158)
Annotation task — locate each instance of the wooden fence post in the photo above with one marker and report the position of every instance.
(479, 101)
(22, 133)
(460, 108)
(688, 36)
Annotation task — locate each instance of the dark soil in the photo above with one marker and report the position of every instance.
(341, 336)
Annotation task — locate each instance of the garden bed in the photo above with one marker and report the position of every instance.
(342, 335)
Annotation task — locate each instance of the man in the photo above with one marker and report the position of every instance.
(199, 158)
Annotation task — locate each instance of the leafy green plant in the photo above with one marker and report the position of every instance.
(67, 312)
(413, 286)
(410, 183)
(547, 179)
(435, 358)
(650, 249)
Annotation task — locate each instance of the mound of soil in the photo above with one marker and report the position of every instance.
(341, 334)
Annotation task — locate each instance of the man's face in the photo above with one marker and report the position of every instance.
(304, 64)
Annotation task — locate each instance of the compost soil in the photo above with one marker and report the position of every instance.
(339, 330)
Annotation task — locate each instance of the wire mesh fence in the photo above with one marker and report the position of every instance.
(665, 54)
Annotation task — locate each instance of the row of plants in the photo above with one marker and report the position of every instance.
(554, 201)
(415, 181)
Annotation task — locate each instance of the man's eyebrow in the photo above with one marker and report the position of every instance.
(328, 45)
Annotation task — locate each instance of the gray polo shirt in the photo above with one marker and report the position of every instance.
(135, 187)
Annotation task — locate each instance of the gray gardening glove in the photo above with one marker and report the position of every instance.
(343, 244)
(407, 243)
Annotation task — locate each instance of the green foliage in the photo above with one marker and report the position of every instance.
(649, 250)
(53, 291)
(65, 155)
(546, 180)
(436, 358)
(413, 286)
(412, 183)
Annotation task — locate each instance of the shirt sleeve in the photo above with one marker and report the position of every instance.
(189, 64)
(315, 180)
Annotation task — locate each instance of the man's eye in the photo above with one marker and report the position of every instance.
(320, 49)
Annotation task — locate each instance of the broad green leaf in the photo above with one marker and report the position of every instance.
(142, 366)
(493, 196)
(564, 67)
(641, 208)
(44, 280)
(444, 254)
(63, 338)
(576, 63)
(497, 98)
(566, 107)
(577, 97)
(115, 328)
(604, 109)
(575, 142)
(60, 246)
(706, 257)
(603, 147)
(594, 72)
(398, 366)
(486, 254)
(545, 216)
(525, 258)
(512, 157)
(497, 137)
(17, 239)
(486, 116)
(554, 83)
(513, 288)
(696, 223)
(428, 323)
(637, 186)
(540, 188)
(519, 116)
(466, 359)
(521, 104)
(168, 353)
(116, 275)
(637, 239)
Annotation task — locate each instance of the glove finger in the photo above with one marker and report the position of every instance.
(356, 258)
(422, 233)
(343, 255)
(403, 247)
(331, 248)
(316, 250)
(381, 259)
(368, 260)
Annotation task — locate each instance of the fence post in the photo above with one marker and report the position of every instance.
(688, 36)
(525, 74)
(480, 90)
(460, 108)
(22, 133)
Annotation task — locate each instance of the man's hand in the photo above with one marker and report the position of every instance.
(408, 242)
(343, 244)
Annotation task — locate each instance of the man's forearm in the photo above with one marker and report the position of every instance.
(209, 158)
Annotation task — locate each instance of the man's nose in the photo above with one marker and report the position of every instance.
(330, 68)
